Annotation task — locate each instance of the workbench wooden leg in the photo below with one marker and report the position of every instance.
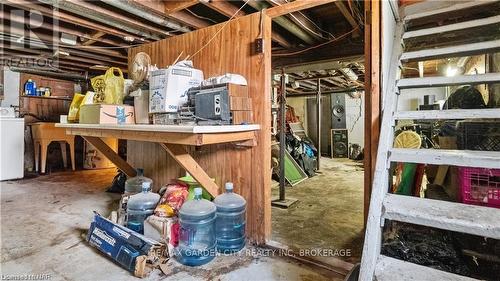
(100, 145)
(72, 152)
(182, 156)
(43, 148)
(37, 155)
(64, 154)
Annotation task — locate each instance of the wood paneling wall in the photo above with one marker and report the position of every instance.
(232, 50)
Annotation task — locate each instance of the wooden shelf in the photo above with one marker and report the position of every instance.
(49, 98)
(176, 134)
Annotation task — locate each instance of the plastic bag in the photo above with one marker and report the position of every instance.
(113, 92)
(74, 108)
(98, 85)
(172, 200)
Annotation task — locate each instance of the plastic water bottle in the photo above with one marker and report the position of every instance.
(197, 231)
(230, 223)
(140, 206)
(134, 185)
(29, 88)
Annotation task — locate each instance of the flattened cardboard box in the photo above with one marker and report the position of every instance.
(131, 250)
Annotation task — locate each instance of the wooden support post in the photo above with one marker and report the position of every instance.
(318, 117)
(121, 164)
(182, 156)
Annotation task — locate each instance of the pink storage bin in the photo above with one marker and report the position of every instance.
(479, 186)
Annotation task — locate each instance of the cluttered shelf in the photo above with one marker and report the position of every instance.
(177, 134)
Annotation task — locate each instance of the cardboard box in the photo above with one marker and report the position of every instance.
(106, 114)
(131, 250)
(165, 230)
(168, 87)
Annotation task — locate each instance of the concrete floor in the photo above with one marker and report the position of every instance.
(329, 213)
(44, 221)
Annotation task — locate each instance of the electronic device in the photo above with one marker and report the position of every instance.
(338, 111)
(340, 143)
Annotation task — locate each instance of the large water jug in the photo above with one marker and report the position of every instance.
(197, 231)
(134, 185)
(230, 222)
(140, 206)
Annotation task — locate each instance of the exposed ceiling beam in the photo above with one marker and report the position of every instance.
(93, 38)
(189, 19)
(227, 9)
(47, 41)
(62, 16)
(92, 12)
(302, 20)
(320, 65)
(16, 17)
(152, 11)
(178, 5)
(285, 23)
(297, 5)
(347, 14)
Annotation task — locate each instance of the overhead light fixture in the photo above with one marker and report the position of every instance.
(20, 39)
(68, 39)
(451, 71)
(128, 38)
(99, 66)
(295, 85)
(59, 53)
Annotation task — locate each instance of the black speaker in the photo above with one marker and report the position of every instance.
(340, 144)
(338, 111)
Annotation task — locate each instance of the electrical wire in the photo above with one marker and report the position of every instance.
(201, 17)
(316, 46)
(220, 29)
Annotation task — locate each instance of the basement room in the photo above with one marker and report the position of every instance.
(250, 140)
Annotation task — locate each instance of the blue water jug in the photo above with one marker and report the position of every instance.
(230, 222)
(140, 206)
(134, 185)
(197, 231)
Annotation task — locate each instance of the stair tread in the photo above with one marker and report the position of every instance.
(448, 9)
(427, 82)
(463, 158)
(476, 220)
(391, 269)
(451, 27)
(452, 51)
(447, 114)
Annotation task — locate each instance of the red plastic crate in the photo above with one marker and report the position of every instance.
(480, 186)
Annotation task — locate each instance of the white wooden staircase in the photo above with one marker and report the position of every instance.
(476, 220)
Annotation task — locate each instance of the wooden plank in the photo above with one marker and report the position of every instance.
(447, 114)
(182, 156)
(190, 129)
(452, 51)
(295, 6)
(428, 82)
(452, 27)
(121, 164)
(93, 38)
(463, 158)
(372, 95)
(475, 220)
(172, 6)
(391, 269)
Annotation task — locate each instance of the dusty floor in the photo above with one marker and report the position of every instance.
(44, 220)
(329, 213)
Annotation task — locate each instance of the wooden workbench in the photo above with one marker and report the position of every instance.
(174, 139)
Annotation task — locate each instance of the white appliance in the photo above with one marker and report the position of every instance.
(11, 145)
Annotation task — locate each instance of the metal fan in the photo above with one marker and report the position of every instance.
(140, 68)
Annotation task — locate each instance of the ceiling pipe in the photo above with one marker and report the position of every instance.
(139, 10)
(99, 17)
